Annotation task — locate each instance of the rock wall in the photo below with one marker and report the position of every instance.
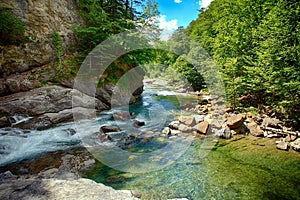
(41, 18)
(27, 69)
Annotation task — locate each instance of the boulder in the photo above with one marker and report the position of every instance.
(240, 130)
(202, 127)
(282, 145)
(138, 124)
(199, 118)
(4, 121)
(49, 99)
(223, 133)
(73, 114)
(236, 121)
(271, 122)
(108, 129)
(296, 144)
(122, 116)
(187, 120)
(174, 125)
(38, 123)
(176, 132)
(255, 130)
(166, 131)
(184, 128)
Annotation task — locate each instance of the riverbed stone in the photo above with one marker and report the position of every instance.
(271, 122)
(122, 116)
(255, 130)
(174, 125)
(187, 120)
(108, 129)
(166, 131)
(176, 132)
(138, 124)
(184, 128)
(224, 132)
(235, 121)
(282, 146)
(202, 127)
(296, 144)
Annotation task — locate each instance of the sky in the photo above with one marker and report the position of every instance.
(175, 13)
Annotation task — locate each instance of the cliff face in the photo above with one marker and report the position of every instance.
(42, 18)
(26, 69)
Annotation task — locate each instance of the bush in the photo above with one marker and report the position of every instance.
(11, 28)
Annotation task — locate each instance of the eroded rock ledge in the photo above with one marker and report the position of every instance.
(15, 187)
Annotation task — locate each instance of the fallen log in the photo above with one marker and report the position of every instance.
(281, 131)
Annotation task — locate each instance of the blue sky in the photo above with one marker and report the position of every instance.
(175, 13)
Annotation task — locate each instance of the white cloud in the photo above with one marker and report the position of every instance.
(178, 1)
(168, 27)
(204, 3)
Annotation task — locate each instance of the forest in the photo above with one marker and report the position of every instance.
(255, 45)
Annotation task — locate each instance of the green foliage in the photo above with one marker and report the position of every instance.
(105, 18)
(256, 45)
(11, 28)
(57, 41)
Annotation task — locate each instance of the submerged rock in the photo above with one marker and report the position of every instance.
(107, 129)
(138, 124)
(122, 116)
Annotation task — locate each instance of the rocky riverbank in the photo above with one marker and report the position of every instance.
(211, 117)
(55, 176)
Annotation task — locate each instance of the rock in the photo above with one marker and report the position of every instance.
(296, 144)
(199, 118)
(107, 129)
(223, 133)
(255, 130)
(202, 127)
(40, 22)
(103, 95)
(7, 175)
(166, 131)
(202, 109)
(174, 125)
(204, 99)
(70, 131)
(37, 123)
(229, 110)
(84, 189)
(122, 116)
(73, 114)
(271, 122)
(184, 128)
(176, 132)
(138, 124)
(236, 121)
(282, 146)
(4, 121)
(50, 99)
(294, 137)
(241, 130)
(187, 120)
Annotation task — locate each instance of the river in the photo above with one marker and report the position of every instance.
(244, 167)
